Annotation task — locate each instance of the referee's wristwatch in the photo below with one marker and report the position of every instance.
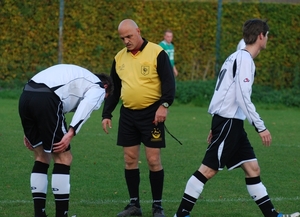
(165, 104)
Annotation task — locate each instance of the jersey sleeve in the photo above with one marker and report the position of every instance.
(245, 79)
(91, 101)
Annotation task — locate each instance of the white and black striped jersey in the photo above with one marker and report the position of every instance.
(232, 96)
(77, 88)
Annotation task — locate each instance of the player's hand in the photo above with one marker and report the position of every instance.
(160, 115)
(27, 143)
(106, 122)
(209, 137)
(64, 143)
(266, 137)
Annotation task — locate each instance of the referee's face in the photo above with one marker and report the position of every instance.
(131, 37)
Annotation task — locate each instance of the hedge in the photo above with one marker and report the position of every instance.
(29, 35)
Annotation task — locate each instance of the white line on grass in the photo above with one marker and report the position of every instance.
(150, 201)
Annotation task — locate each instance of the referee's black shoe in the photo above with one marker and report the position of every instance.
(130, 210)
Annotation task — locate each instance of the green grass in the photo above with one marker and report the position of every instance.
(97, 175)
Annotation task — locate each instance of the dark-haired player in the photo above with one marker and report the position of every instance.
(45, 99)
(228, 142)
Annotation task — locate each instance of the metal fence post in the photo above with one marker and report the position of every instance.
(60, 37)
(218, 37)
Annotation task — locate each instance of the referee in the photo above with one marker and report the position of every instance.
(228, 142)
(143, 78)
(45, 99)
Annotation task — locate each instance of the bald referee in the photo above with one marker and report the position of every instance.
(45, 99)
(144, 80)
(228, 144)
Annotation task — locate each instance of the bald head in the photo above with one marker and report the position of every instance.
(127, 23)
(130, 34)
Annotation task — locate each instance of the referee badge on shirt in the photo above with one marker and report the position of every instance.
(145, 70)
(156, 134)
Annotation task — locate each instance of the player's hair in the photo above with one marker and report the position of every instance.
(106, 79)
(252, 28)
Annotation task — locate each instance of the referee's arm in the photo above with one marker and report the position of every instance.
(112, 100)
(165, 72)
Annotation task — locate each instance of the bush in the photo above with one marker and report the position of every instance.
(199, 93)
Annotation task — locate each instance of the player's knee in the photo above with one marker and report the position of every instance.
(63, 158)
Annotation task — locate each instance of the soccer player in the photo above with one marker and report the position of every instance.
(228, 143)
(168, 46)
(143, 79)
(45, 99)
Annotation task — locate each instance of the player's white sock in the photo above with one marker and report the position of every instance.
(259, 194)
(39, 184)
(61, 188)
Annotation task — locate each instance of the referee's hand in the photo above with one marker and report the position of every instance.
(106, 122)
(160, 115)
(266, 137)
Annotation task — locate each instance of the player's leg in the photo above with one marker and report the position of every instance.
(61, 182)
(53, 127)
(39, 181)
(218, 153)
(29, 109)
(193, 189)
(258, 191)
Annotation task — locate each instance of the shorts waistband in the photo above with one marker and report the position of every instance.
(34, 87)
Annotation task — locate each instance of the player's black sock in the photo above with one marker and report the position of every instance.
(193, 189)
(133, 181)
(39, 184)
(259, 194)
(156, 182)
(61, 188)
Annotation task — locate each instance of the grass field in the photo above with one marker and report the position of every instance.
(97, 175)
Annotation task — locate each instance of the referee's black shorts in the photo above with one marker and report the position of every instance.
(42, 118)
(229, 146)
(136, 127)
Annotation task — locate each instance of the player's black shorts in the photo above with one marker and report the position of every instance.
(229, 146)
(136, 126)
(42, 118)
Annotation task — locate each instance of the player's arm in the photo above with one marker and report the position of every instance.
(245, 81)
(63, 144)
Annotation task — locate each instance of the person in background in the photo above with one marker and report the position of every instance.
(228, 144)
(144, 80)
(168, 46)
(45, 99)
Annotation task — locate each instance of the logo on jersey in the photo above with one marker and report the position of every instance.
(122, 67)
(145, 70)
(246, 80)
(55, 189)
(156, 134)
